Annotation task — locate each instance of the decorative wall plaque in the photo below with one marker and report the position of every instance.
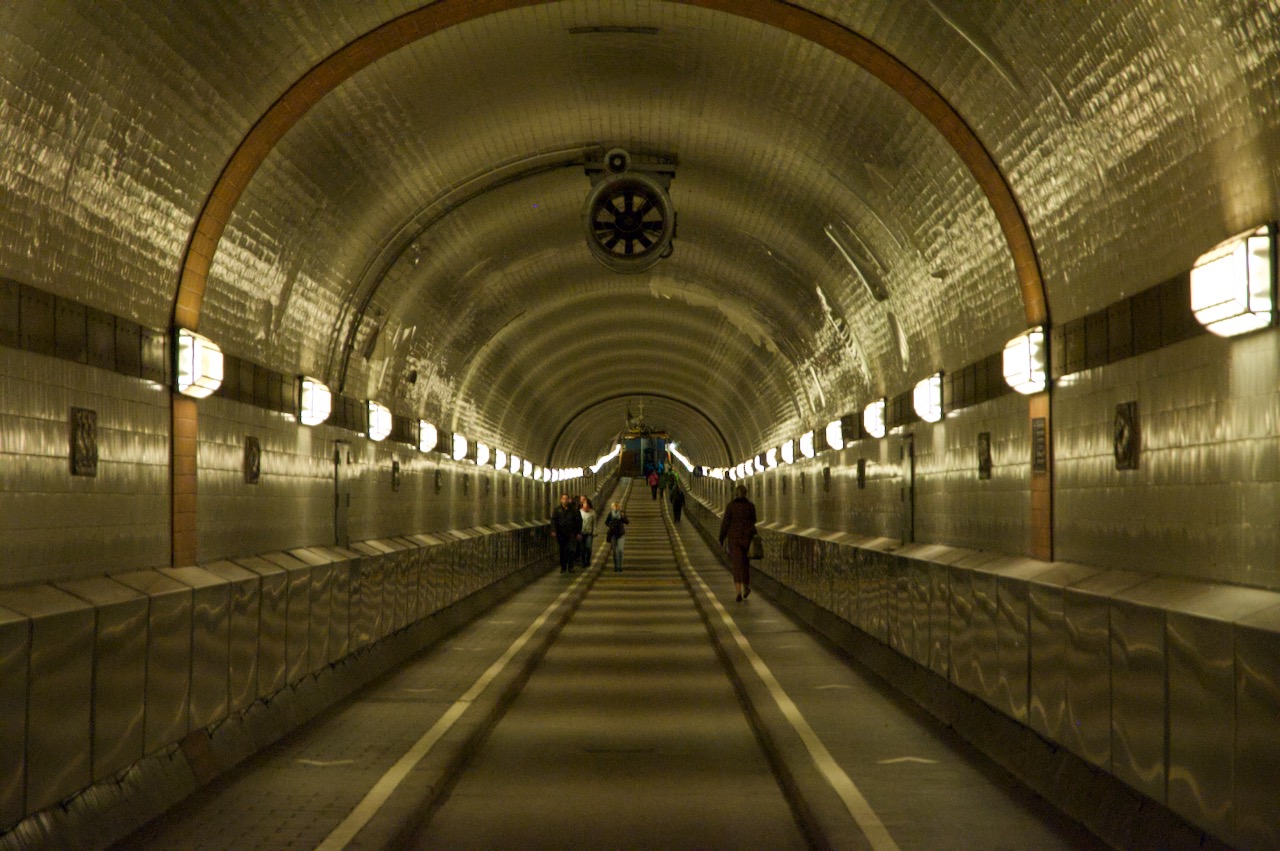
(802, 482)
(1125, 439)
(395, 475)
(84, 442)
(784, 485)
(466, 485)
(862, 474)
(439, 480)
(1039, 445)
(984, 455)
(252, 460)
(826, 479)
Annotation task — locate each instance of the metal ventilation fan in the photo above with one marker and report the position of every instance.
(629, 219)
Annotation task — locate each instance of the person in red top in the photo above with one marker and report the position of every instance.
(738, 528)
(653, 482)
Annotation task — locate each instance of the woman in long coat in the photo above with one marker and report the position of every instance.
(738, 528)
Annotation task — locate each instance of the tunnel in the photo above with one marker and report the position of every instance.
(310, 311)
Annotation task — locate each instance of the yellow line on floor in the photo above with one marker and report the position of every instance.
(875, 831)
(386, 785)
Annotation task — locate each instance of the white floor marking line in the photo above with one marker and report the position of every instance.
(833, 685)
(319, 763)
(875, 831)
(899, 759)
(381, 791)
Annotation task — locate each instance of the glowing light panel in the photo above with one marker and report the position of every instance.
(379, 421)
(1233, 286)
(1025, 369)
(927, 398)
(428, 436)
(199, 366)
(316, 402)
(873, 418)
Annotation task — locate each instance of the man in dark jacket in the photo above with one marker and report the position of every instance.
(566, 528)
(677, 502)
(738, 528)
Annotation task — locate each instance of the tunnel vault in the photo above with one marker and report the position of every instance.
(437, 17)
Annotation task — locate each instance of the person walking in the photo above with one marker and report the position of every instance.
(738, 528)
(566, 528)
(653, 482)
(588, 530)
(616, 523)
(677, 502)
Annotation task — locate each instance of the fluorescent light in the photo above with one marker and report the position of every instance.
(671, 447)
(806, 444)
(379, 421)
(459, 446)
(199, 366)
(605, 459)
(1024, 362)
(316, 402)
(482, 454)
(428, 436)
(527, 469)
(771, 457)
(789, 452)
(1233, 286)
(873, 418)
(499, 459)
(927, 398)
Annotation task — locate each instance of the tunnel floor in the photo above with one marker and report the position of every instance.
(592, 710)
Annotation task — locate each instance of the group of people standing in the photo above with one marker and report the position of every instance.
(660, 482)
(574, 520)
(573, 525)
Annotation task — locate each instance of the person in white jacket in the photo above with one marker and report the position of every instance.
(588, 530)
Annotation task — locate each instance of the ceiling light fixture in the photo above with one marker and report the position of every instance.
(873, 418)
(379, 424)
(1025, 369)
(927, 398)
(1233, 286)
(428, 436)
(315, 402)
(198, 367)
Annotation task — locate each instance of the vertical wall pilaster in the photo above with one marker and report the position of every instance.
(1041, 478)
(183, 478)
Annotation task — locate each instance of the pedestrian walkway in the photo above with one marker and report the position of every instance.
(591, 710)
(627, 735)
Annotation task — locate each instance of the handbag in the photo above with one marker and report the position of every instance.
(755, 550)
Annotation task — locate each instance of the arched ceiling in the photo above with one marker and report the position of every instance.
(412, 230)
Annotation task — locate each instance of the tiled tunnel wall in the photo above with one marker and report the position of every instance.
(99, 672)
(1168, 684)
(102, 669)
